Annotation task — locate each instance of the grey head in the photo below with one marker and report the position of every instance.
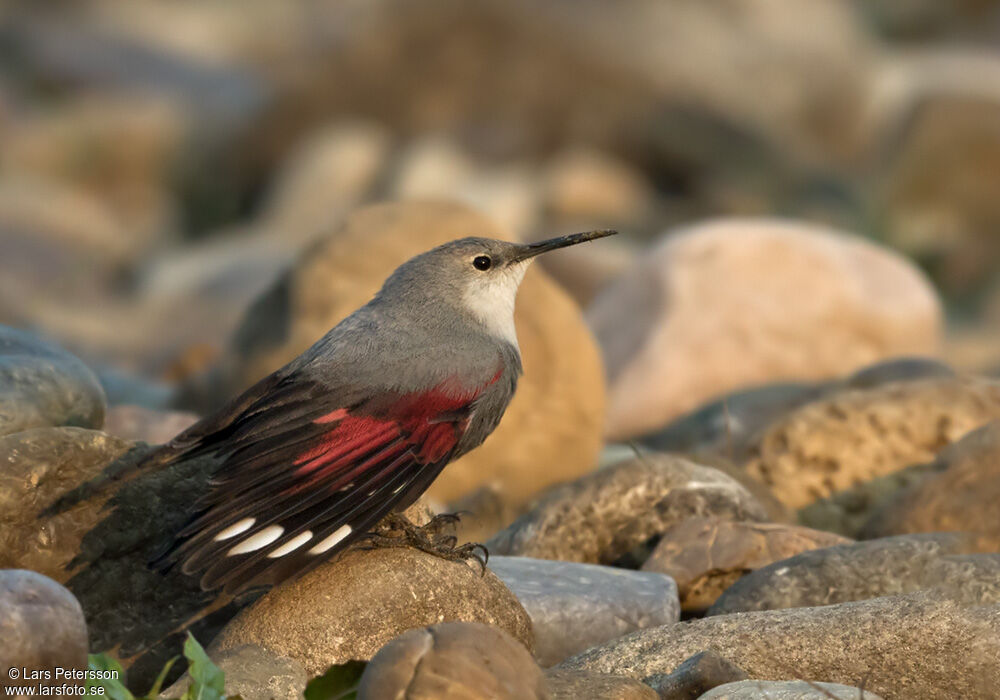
(472, 280)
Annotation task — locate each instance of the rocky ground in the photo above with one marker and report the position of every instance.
(756, 449)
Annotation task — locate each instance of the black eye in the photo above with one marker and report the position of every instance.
(482, 262)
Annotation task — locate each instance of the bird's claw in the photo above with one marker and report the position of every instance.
(427, 538)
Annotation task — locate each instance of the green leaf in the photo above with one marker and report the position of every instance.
(207, 680)
(155, 690)
(338, 683)
(111, 688)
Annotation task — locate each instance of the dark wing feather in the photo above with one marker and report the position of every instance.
(304, 474)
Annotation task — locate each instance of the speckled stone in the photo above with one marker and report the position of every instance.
(349, 608)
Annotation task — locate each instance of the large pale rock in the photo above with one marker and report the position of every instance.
(42, 628)
(732, 303)
(460, 660)
(604, 515)
(871, 569)
(577, 606)
(707, 555)
(42, 385)
(36, 467)
(854, 436)
(960, 491)
(349, 608)
(913, 646)
(555, 417)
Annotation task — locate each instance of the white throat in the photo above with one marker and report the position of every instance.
(491, 300)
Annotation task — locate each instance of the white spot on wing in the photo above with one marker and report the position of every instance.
(332, 541)
(291, 545)
(235, 529)
(263, 538)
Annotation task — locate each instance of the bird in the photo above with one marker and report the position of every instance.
(314, 456)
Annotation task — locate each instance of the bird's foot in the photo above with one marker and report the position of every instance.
(436, 537)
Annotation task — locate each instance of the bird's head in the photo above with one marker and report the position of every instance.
(478, 277)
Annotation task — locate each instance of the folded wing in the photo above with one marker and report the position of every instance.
(305, 473)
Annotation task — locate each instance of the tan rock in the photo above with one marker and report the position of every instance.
(961, 493)
(551, 431)
(606, 514)
(324, 177)
(947, 561)
(706, 555)
(36, 467)
(584, 184)
(119, 148)
(351, 607)
(856, 435)
(917, 646)
(455, 660)
(732, 303)
(253, 674)
(57, 240)
(571, 685)
(437, 168)
(941, 146)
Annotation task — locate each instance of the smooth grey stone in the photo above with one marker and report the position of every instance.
(576, 606)
(41, 627)
(787, 690)
(42, 385)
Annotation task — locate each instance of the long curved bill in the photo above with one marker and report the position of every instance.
(532, 249)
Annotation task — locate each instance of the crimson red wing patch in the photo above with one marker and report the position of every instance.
(307, 491)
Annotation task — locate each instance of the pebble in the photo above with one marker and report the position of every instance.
(869, 569)
(605, 515)
(919, 646)
(351, 607)
(466, 660)
(42, 385)
(576, 606)
(42, 628)
(705, 556)
(732, 303)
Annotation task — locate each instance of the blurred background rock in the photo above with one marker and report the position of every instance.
(803, 189)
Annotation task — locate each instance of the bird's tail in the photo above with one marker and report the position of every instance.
(125, 467)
